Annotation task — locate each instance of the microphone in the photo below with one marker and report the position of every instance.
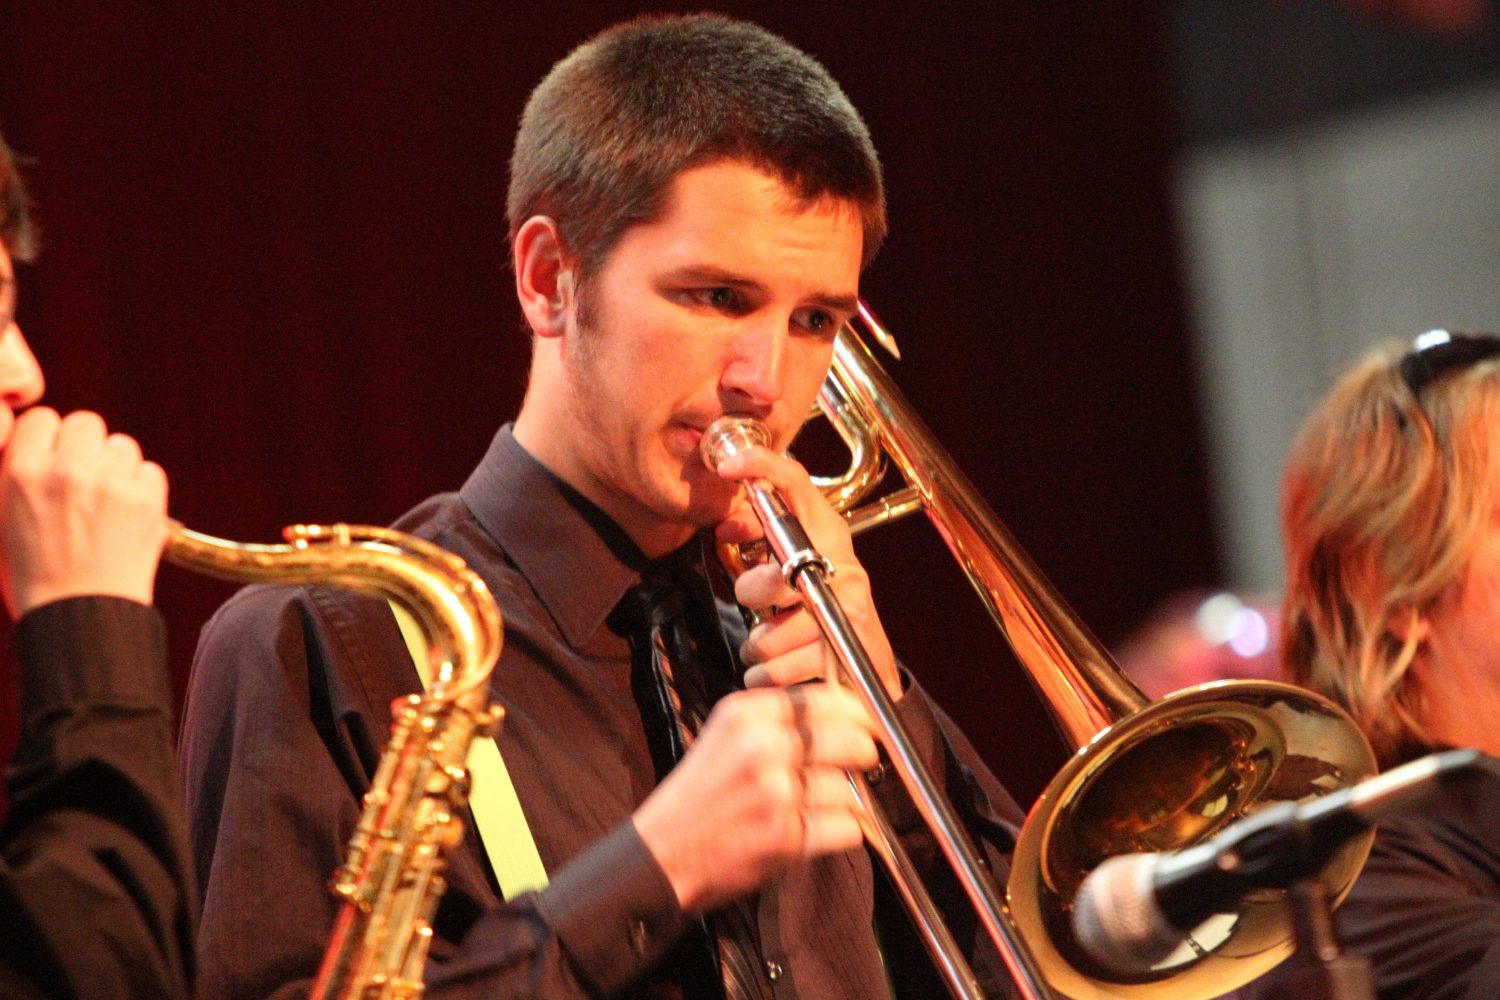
(1135, 909)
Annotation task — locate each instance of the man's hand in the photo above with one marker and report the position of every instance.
(80, 512)
(788, 647)
(762, 785)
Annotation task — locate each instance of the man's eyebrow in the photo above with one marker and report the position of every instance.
(709, 275)
(848, 304)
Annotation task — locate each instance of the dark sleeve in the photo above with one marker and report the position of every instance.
(280, 739)
(1425, 915)
(96, 898)
(988, 812)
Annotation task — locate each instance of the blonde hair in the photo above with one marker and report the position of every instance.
(1384, 497)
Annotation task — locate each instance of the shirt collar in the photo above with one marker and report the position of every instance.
(578, 561)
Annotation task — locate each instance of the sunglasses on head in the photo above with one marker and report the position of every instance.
(1437, 352)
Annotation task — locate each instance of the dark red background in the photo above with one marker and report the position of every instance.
(275, 254)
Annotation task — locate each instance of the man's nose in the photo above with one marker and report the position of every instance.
(21, 381)
(757, 367)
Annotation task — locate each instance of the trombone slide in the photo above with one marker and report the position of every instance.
(807, 571)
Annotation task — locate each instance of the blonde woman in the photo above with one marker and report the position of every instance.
(1391, 521)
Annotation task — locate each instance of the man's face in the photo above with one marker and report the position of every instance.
(20, 376)
(728, 303)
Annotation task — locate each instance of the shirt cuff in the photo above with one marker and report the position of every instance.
(83, 649)
(614, 910)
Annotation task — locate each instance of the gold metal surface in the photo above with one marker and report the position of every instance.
(391, 879)
(1170, 776)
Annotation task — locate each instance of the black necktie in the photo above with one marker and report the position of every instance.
(670, 613)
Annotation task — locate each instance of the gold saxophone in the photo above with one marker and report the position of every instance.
(391, 879)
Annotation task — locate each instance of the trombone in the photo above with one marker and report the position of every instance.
(1146, 777)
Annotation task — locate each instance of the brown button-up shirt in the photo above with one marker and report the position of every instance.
(287, 713)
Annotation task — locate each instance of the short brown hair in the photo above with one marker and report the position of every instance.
(17, 231)
(613, 123)
(1384, 499)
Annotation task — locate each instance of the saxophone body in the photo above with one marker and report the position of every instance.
(392, 877)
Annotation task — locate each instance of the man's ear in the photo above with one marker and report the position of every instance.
(544, 276)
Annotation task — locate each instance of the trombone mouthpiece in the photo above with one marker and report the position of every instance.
(728, 436)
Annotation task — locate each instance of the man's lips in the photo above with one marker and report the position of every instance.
(685, 437)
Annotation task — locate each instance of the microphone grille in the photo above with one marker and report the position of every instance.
(1116, 917)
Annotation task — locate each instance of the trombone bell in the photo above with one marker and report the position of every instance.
(1171, 775)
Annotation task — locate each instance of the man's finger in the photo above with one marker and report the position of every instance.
(806, 663)
(80, 438)
(763, 586)
(34, 436)
(790, 629)
(827, 788)
(829, 831)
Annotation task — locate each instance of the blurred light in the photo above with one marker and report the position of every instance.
(1214, 619)
(1431, 339)
(1249, 634)
(1225, 620)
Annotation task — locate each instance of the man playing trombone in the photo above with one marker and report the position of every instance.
(692, 201)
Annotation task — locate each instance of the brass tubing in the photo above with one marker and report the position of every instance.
(936, 811)
(1076, 676)
(933, 930)
(450, 602)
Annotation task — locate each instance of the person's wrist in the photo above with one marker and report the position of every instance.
(32, 596)
(656, 833)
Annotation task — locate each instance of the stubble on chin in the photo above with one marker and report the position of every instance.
(701, 498)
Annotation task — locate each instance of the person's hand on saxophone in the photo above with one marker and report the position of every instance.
(81, 513)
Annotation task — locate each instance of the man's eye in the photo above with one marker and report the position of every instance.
(818, 321)
(724, 299)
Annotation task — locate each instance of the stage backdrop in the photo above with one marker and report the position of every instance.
(275, 253)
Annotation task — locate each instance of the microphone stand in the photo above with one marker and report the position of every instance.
(1318, 970)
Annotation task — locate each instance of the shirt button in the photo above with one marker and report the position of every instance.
(639, 936)
(773, 971)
